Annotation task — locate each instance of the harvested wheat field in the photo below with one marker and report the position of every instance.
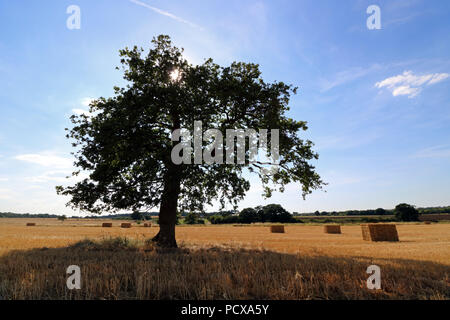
(220, 262)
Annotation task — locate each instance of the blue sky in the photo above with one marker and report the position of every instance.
(377, 101)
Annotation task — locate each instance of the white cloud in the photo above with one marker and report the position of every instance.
(86, 101)
(406, 91)
(165, 13)
(408, 84)
(46, 159)
(81, 111)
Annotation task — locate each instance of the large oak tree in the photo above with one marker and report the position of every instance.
(125, 144)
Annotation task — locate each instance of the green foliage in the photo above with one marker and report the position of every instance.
(192, 218)
(346, 220)
(275, 213)
(370, 212)
(268, 213)
(406, 212)
(62, 218)
(136, 215)
(218, 219)
(249, 215)
(435, 210)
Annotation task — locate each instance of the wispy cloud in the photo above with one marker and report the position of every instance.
(441, 151)
(50, 176)
(408, 84)
(346, 76)
(45, 159)
(165, 13)
(400, 20)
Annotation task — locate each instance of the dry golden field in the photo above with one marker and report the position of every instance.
(417, 241)
(220, 262)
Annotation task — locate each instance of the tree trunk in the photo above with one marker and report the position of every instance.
(166, 236)
(168, 209)
(169, 199)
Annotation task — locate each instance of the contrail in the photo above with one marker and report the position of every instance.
(165, 13)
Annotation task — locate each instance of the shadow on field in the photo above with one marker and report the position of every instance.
(120, 269)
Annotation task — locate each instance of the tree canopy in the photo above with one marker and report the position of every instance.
(406, 212)
(125, 143)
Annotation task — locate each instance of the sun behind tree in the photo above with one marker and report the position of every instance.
(126, 145)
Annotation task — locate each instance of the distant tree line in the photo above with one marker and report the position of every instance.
(27, 215)
(276, 213)
(124, 216)
(369, 212)
(268, 213)
(435, 210)
(374, 212)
